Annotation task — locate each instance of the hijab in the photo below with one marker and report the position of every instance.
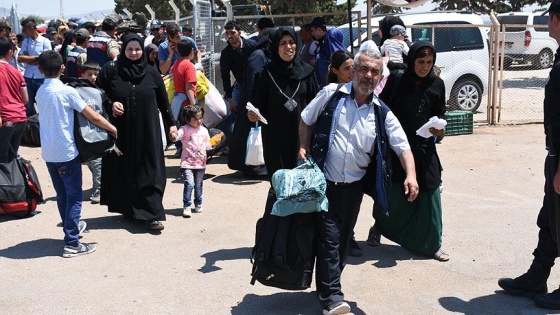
(295, 69)
(131, 70)
(412, 56)
(147, 51)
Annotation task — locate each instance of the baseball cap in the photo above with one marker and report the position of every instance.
(82, 33)
(320, 22)
(155, 24)
(397, 30)
(555, 7)
(51, 30)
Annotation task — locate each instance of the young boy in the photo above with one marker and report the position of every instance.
(184, 75)
(56, 102)
(396, 47)
(90, 70)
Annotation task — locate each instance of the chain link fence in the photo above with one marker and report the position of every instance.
(511, 92)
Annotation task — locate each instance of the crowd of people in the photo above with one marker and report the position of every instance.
(351, 114)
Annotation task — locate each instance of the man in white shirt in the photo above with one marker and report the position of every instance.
(348, 147)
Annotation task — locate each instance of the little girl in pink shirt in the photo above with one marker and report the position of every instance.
(196, 140)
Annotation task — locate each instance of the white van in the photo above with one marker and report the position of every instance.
(530, 42)
(462, 52)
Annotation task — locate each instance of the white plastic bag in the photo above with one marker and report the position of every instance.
(255, 154)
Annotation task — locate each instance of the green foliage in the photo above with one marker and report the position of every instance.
(38, 19)
(162, 8)
(486, 6)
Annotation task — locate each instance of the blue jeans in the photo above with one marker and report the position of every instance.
(193, 179)
(33, 86)
(235, 93)
(95, 169)
(67, 182)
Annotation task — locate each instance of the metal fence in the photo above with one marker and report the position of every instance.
(513, 87)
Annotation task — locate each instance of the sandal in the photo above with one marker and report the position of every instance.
(440, 255)
(374, 237)
(156, 225)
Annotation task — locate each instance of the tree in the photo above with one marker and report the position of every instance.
(38, 19)
(486, 6)
(162, 9)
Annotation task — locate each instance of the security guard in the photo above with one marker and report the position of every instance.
(77, 56)
(533, 282)
(103, 47)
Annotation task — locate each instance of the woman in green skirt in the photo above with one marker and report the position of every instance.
(414, 96)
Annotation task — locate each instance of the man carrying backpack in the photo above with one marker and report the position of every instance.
(344, 155)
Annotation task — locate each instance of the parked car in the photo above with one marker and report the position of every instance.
(462, 52)
(529, 42)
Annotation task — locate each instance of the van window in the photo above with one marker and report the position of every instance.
(451, 38)
(513, 19)
(540, 23)
(467, 38)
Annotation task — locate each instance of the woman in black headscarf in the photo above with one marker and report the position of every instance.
(283, 89)
(133, 183)
(150, 52)
(414, 96)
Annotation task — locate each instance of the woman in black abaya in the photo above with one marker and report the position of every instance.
(284, 87)
(133, 183)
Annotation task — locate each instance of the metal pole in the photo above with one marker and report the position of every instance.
(350, 27)
(151, 11)
(368, 15)
(176, 10)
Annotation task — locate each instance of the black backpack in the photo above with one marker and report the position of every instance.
(92, 142)
(284, 251)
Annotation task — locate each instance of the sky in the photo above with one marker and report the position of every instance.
(49, 8)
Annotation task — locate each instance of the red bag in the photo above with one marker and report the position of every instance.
(20, 191)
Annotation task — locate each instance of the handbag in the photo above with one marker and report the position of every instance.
(300, 190)
(255, 153)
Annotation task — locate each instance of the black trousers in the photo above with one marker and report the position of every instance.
(547, 247)
(11, 136)
(334, 232)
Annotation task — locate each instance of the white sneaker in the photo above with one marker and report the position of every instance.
(82, 225)
(197, 209)
(186, 213)
(337, 309)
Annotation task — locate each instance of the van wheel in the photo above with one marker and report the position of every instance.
(544, 59)
(466, 95)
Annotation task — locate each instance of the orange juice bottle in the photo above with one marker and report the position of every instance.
(214, 140)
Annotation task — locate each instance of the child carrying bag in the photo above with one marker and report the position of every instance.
(255, 152)
(92, 142)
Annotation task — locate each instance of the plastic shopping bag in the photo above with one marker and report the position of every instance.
(255, 154)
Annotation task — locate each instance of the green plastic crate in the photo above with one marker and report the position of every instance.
(459, 122)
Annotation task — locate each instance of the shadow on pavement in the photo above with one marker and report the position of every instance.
(238, 178)
(497, 303)
(223, 255)
(43, 247)
(119, 222)
(384, 255)
(284, 303)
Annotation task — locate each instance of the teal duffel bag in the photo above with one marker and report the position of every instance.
(299, 190)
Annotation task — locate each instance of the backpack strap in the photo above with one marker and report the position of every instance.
(279, 249)
(262, 248)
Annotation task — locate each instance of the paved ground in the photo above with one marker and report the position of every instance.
(492, 193)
